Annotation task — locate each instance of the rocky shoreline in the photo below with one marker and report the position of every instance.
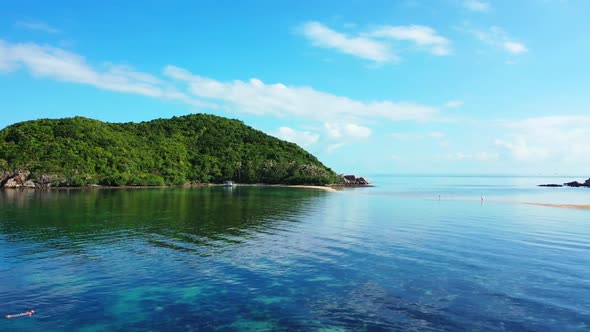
(17, 179)
(23, 179)
(568, 184)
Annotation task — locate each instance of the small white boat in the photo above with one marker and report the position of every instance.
(229, 184)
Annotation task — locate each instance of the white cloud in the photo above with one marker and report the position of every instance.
(333, 147)
(302, 138)
(357, 131)
(522, 151)
(257, 97)
(36, 25)
(406, 136)
(480, 156)
(453, 104)
(486, 156)
(346, 130)
(366, 48)
(436, 135)
(416, 136)
(456, 156)
(61, 65)
(332, 131)
(559, 140)
(418, 34)
(548, 122)
(375, 45)
(497, 37)
(514, 47)
(476, 5)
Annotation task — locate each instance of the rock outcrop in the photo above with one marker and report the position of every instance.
(569, 184)
(29, 184)
(578, 184)
(24, 179)
(18, 179)
(352, 180)
(5, 175)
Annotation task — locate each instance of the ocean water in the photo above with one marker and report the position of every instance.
(391, 257)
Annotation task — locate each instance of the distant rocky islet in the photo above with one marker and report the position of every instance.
(568, 184)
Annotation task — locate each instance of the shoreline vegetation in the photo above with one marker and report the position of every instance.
(192, 149)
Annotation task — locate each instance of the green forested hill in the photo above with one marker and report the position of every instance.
(195, 148)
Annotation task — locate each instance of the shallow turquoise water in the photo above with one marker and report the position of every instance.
(267, 259)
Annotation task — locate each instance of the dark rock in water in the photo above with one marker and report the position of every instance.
(578, 184)
(568, 184)
(352, 180)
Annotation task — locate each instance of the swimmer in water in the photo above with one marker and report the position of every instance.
(26, 313)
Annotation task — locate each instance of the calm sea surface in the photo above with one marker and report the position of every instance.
(392, 257)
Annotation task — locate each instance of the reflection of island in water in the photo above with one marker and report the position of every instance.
(196, 215)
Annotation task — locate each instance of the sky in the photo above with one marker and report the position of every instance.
(369, 87)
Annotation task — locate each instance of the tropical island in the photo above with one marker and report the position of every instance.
(192, 149)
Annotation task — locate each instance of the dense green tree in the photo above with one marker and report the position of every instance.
(194, 148)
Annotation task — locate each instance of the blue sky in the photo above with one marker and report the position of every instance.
(409, 86)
